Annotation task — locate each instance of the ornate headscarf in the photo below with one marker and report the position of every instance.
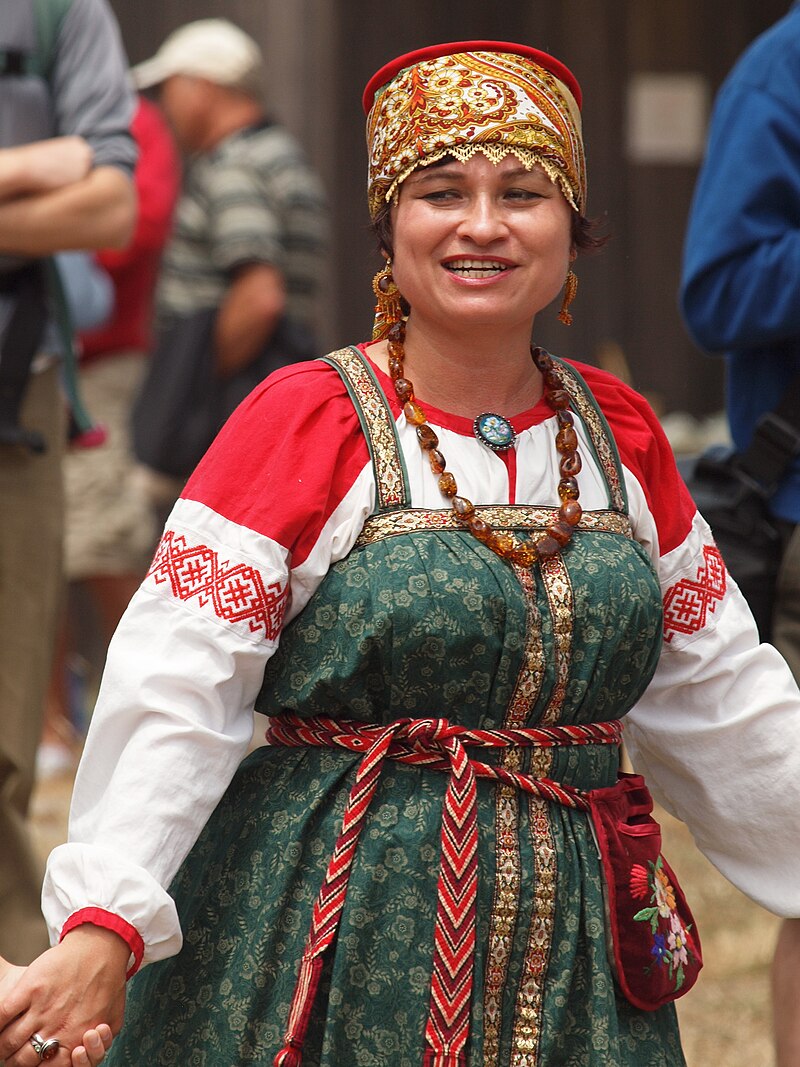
(474, 96)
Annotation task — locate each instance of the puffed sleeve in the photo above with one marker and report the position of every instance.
(282, 493)
(717, 732)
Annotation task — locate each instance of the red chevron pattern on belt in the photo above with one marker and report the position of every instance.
(438, 745)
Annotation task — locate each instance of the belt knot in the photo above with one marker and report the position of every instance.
(422, 732)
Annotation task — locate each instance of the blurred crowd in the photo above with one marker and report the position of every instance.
(210, 243)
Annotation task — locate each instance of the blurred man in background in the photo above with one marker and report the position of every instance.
(251, 225)
(110, 527)
(66, 160)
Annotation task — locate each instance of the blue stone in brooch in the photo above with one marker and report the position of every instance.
(494, 431)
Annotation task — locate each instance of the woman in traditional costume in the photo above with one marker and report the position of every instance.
(445, 565)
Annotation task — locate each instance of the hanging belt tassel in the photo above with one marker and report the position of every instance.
(291, 1055)
(331, 898)
(447, 1029)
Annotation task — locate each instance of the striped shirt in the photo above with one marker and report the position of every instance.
(254, 199)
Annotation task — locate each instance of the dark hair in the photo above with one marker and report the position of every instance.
(585, 235)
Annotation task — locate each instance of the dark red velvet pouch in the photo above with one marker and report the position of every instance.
(654, 946)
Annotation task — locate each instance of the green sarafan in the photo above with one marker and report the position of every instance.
(422, 621)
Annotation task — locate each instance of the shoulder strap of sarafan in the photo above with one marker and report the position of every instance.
(378, 424)
(600, 435)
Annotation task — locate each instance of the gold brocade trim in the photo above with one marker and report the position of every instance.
(558, 586)
(531, 675)
(530, 995)
(378, 425)
(505, 908)
(530, 998)
(501, 516)
(600, 439)
(505, 904)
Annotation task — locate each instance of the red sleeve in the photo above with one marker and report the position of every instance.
(157, 182)
(646, 452)
(286, 458)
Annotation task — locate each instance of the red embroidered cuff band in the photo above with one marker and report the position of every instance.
(109, 921)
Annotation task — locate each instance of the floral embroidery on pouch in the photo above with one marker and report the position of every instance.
(670, 943)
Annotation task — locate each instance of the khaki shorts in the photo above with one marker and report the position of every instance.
(110, 524)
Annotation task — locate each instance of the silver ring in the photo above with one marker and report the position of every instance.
(45, 1048)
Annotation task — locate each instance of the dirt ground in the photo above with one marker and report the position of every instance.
(724, 1019)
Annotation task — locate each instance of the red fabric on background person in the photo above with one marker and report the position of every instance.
(134, 269)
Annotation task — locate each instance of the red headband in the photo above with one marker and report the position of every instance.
(434, 51)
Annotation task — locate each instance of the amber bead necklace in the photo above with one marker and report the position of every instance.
(505, 545)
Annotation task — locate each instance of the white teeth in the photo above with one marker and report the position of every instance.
(475, 268)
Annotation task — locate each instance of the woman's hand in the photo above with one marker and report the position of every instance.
(64, 994)
(96, 1042)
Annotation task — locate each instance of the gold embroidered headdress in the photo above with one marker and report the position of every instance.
(474, 96)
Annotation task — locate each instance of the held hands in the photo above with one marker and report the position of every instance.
(95, 1042)
(62, 995)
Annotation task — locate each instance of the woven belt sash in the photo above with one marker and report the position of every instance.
(437, 745)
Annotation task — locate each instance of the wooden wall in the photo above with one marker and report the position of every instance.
(320, 53)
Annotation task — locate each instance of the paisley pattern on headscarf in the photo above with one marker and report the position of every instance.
(496, 103)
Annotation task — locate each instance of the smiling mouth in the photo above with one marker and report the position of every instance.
(476, 268)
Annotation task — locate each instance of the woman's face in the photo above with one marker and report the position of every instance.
(479, 243)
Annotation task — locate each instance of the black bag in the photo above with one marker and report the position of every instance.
(735, 506)
(732, 492)
(183, 403)
(25, 293)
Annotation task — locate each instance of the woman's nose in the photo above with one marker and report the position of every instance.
(482, 220)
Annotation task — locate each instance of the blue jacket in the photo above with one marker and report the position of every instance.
(740, 291)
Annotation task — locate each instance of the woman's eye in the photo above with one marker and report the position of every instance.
(523, 194)
(439, 195)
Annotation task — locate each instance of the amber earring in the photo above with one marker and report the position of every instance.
(388, 309)
(570, 289)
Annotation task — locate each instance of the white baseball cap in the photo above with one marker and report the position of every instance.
(214, 49)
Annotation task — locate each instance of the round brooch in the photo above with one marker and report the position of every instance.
(494, 431)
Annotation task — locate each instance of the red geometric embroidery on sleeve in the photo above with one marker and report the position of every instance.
(688, 603)
(235, 591)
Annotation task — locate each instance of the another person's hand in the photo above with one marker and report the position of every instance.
(9, 976)
(62, 995)
(96, 1044)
